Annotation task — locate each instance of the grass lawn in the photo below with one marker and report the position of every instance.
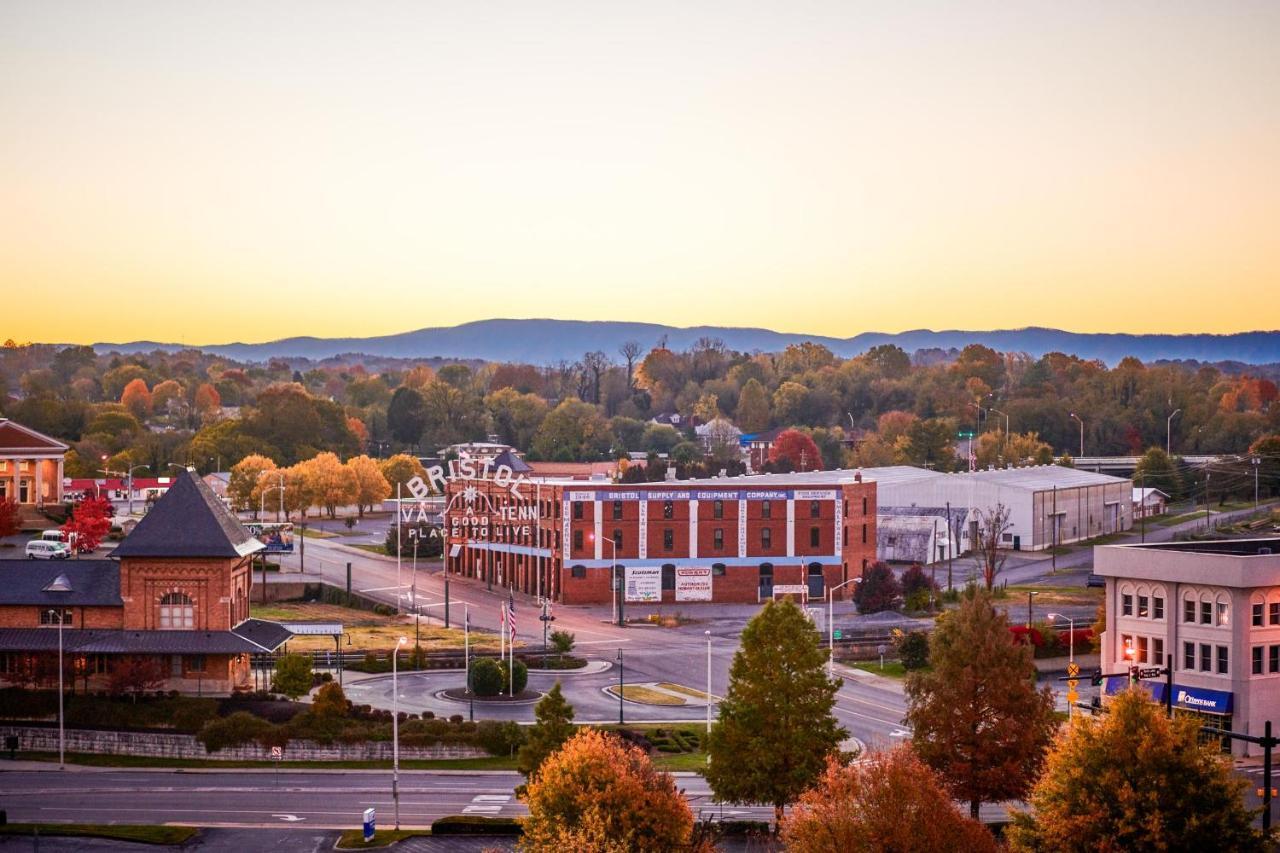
(317, 533)
(892, 668)
(687, 691)
(1055, 595)
(353, 839)
(1170, 521)
(367, 629)
(120, 832)
(694, 762)
(493, 762)
(637, 693)
(372, 549)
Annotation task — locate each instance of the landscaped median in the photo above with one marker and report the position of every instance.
(353, 839)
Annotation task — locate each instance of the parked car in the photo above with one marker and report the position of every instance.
(39, 549)
(1096, 582)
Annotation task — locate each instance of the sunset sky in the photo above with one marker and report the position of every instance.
(209, 172)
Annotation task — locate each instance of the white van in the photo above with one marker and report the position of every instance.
(38, 549)
(54, 535)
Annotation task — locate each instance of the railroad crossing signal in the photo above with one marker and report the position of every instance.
(1073, 669)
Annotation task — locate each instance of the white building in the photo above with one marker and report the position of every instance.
(1214, 608)
(1149, 502)
(922, 535)
(1048, 504)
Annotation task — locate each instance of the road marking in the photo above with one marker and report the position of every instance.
(602, 642)
(491, 798)
(289, 818)
(481, 809)
(899, 733)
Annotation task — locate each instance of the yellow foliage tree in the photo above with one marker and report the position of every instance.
(401, 468)
(246, 485)
(371, 486)
(329, 483)
(598, 793)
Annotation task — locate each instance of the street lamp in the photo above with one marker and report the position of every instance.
(618, 616)
(831, 625)
(395, 729)
(620, 686)
(413, 590)
(1168, 432)
(466, 659)
(1030, 595)
(1071, 645)
(62, 741)
(1077, 419)
(708, 635)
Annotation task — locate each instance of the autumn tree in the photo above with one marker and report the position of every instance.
(572, 431)
(371, 486)
(329, 483)
(400, 469)
(359, 430)
(297, 488)
(753, 407)
(988, 549)
(796, 450)
(775, 727)
(1135, 780)
(167, 394)
(134, 675)
(207, 400)
(244, 488)
(553, 727)
(890, 801)
(292, 676)
(137, 398)
(598, 793)
(879, 589)
(89, 524)
(977, 716)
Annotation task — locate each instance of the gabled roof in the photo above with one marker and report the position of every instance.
(91, 582)
(515, 463)
(189, 520)
(14, 436)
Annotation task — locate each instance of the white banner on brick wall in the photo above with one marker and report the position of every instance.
(693, 583)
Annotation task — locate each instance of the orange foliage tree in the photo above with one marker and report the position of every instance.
(207, 399)
(599, 793)
(797, 450)
(136, 398)
(90, 523)
(890, 801)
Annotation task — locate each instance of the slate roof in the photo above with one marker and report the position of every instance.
(515, 463)
(119, 641)
(268, 636)
(93, 583)
(189, 520)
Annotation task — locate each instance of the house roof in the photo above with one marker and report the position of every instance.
(509, 458)
(14, 436)
(117, 641)
(189, 520)
(268, 636)
(34, 582)
(1141, 495)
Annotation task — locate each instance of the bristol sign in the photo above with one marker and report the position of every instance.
(471, 512)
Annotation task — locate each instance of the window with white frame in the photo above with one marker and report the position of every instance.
(177, 612)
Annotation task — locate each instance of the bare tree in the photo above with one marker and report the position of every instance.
(992, 524)
(595, 363)
(630, 350)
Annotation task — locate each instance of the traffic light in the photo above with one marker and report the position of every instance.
(1096, 678)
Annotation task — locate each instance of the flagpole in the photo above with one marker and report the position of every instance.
(398, 549)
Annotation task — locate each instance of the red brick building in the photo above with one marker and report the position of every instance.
(730, 539)
(176, 592)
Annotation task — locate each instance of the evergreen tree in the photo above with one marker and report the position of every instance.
(776, 728)
(1135, 780)
(554, 726)
(978, 719)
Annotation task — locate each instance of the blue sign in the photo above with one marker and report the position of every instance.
(1192, 698)
(369, 815)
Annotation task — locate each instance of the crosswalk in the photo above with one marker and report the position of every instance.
(487, 804)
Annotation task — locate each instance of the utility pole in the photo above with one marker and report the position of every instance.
(951, 544)
(1142, 504)
(1168, 433)
(1256, 462)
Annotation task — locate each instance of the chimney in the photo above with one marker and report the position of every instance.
(857, 476)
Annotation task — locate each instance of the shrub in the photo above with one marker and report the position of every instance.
(913, 649)
(878, 591)
(236, 730)
(487, 677)
(915, 580)
(499, 738)
(919, 600)
(330, 701)
(562, 641)
(516, 679)
(292, 676)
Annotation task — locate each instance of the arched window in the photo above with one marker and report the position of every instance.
(177, 612)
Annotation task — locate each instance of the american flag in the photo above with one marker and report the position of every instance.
(510, 617)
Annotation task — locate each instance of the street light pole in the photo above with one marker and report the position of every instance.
(395, 729)
(1256, 462)
(1077, 419)
(621, 684)
(466, 659)
(1168, 432)
(399, 518)
(831, 625)
(1030, 595)
(62, 736)
(1071, 644)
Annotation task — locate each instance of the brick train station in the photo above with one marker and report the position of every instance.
(725, 539)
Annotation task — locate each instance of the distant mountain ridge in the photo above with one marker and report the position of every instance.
(544, 341)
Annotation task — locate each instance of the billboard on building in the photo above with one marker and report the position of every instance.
(644, 584)
(277, 537)
(693, 583)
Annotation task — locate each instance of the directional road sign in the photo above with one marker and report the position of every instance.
(1151, 672)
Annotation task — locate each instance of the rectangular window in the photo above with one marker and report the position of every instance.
(766, 538)
(1222, 660)
(668, 539)
(1257, 660)
(1224, 613)
(1206, 613)
(577, 539)
(815, 509)
(1188, 655)
(577, 510)
(766, 509)
(844, 508)
(578, 572)
(717, 539)
(668, 509)
(1144, 608)
(1206, 657)
(1273, 609)
(814, 537)
(1142, 650)
(51, 617)
(846, 536)
(717, 509)
(1188, 610)
(1157, 651)
(617, 510)
(864, 534)
(1257, 615)
(1126, 605)
(864, 506)
(195, 663)
(1157, 607)
(1273, 659)
(617, 540)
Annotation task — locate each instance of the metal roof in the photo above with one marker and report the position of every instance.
(189, 520)
(313, 629)
(127, 642)
(90, 582)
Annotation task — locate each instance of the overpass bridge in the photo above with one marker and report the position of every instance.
(1129, 464)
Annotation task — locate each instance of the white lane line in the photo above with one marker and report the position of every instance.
(481, 809)
(601, 642)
